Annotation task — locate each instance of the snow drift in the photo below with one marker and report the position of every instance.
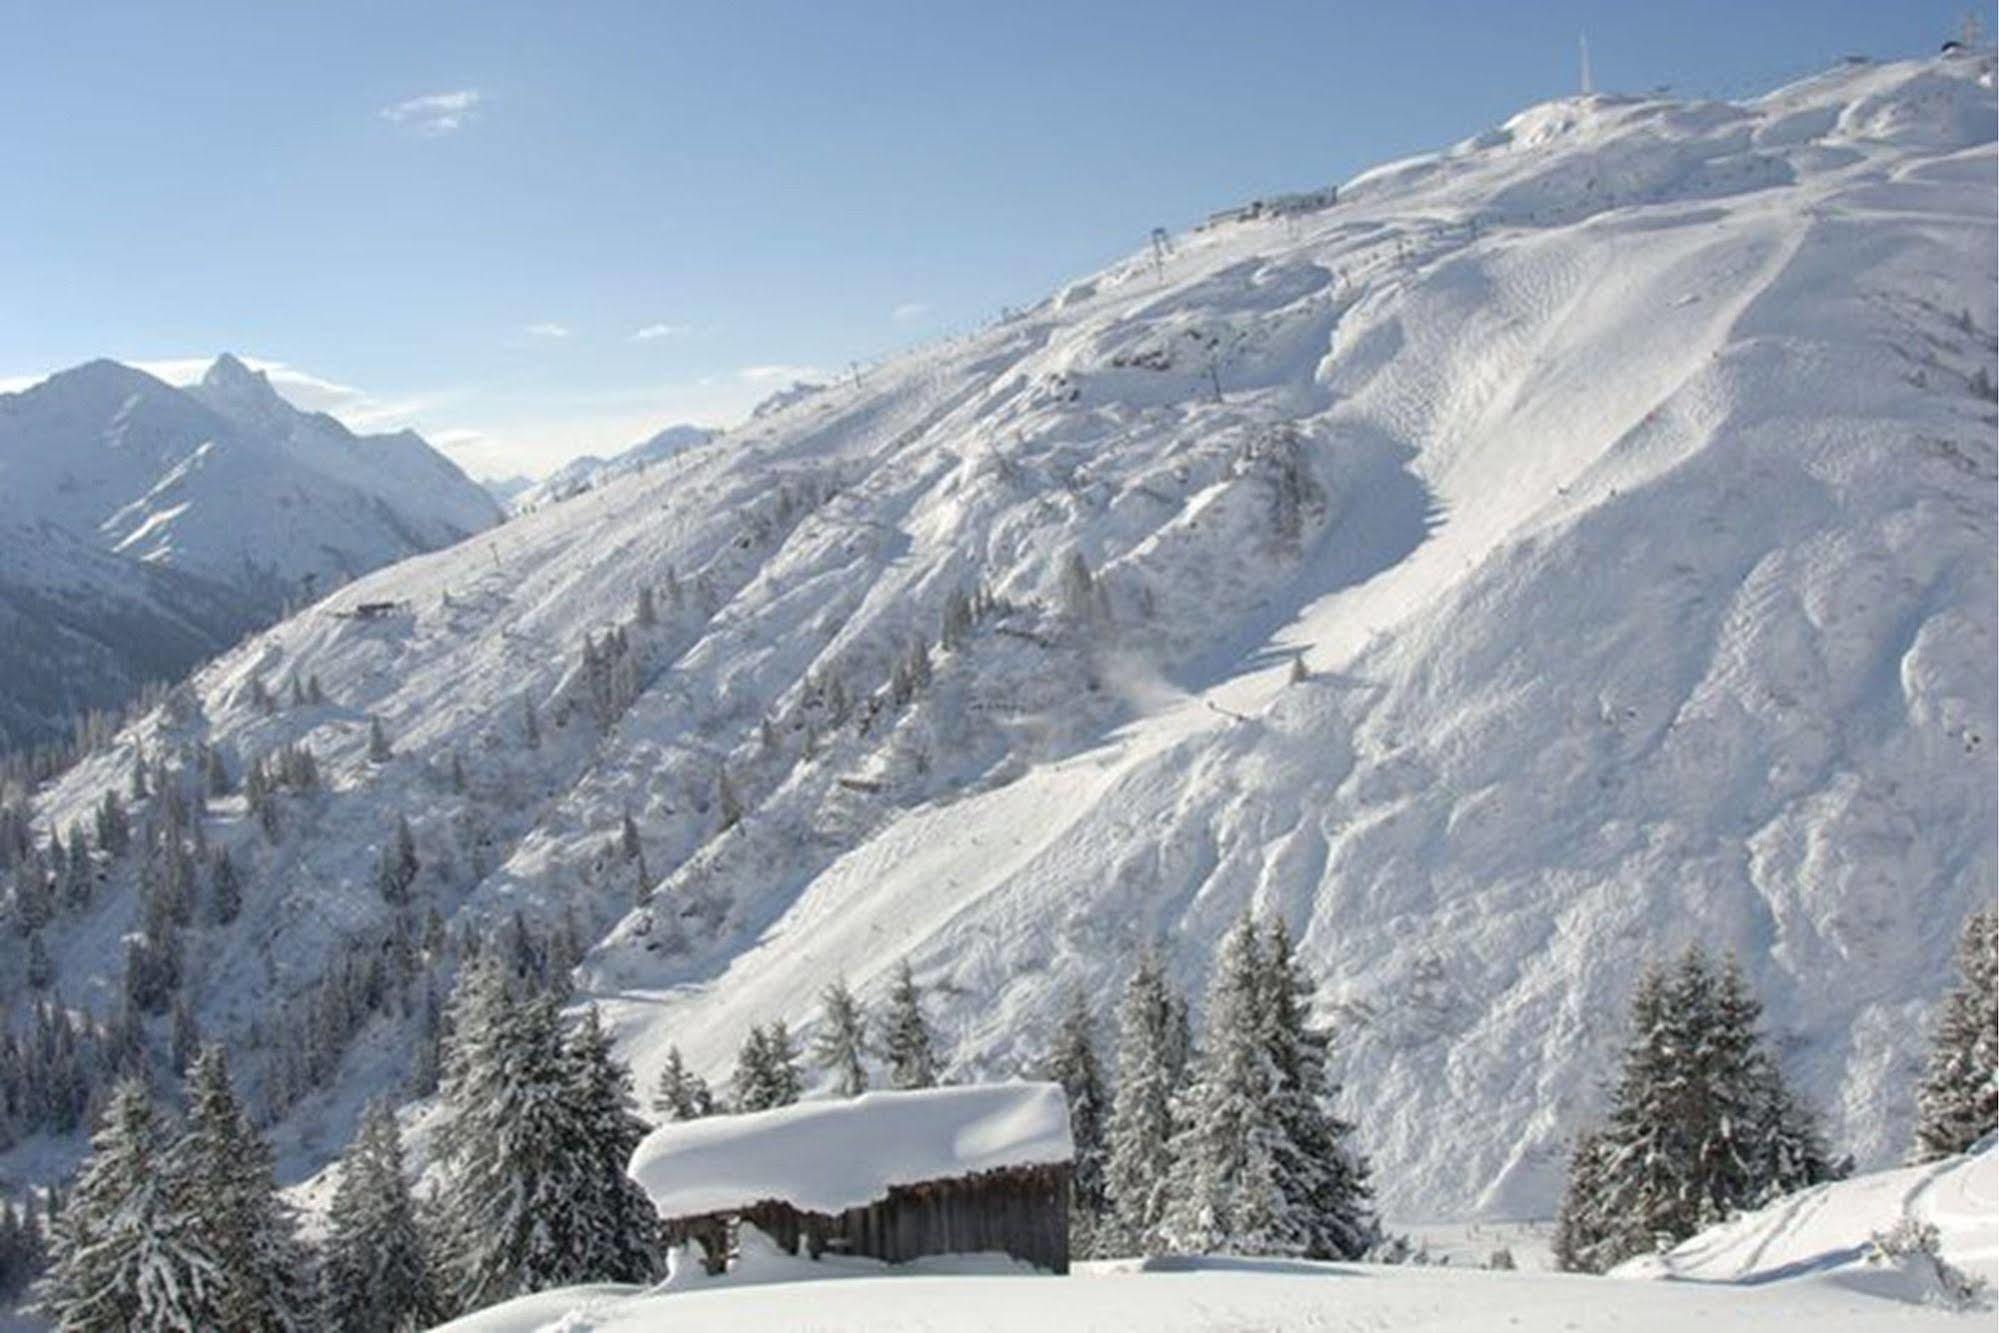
(1836, 1231)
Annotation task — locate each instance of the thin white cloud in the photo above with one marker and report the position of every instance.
(548, 329)
(908, 311)
(435, 113)
(652, 331)
(780, 374)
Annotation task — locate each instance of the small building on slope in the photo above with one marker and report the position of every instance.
(892, 1176)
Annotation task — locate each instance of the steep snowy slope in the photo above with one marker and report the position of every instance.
(200, 513)
(1624, 479)
(589, 472)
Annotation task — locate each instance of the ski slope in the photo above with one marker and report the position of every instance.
(1623, 477)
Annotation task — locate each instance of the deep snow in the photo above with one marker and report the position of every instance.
(1801, 1262)
(828, 1156)
(1623, 476)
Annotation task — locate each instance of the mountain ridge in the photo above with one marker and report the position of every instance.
(1622, 495)
(224, 490)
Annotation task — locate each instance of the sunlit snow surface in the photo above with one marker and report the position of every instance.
(1800, 1263)
(1644, 581)
(828, 1156)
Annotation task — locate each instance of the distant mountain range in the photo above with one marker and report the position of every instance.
(145, 527)
(521, 496)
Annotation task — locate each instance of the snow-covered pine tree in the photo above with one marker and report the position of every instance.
(766, 1070)
(1725, 1082)
(396, 870)
(1228, 1183)
(184, 1043)
(1700, 1125)
(125, 1253)
(840, 1046)
(616, 1232)
(1631, 1199)
(1322, 1175)
(379, 750)
(41, 968)
(470, 1061)
(225, 889)
(114, 828)
(680, 1093)
(1139, 1161)
(1957, 1102)
(906, 1042)
(374, 1271)
(513, 1181)
(1072, 1062)
(1579, 1225)
(237, 1214)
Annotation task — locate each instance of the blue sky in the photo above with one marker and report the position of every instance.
(534, 229)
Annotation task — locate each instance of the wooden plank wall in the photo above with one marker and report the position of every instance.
(1017, 1211)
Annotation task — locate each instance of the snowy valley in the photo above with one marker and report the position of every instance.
(1550, 552)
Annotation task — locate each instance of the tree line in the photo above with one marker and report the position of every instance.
(1700, 1123)
(1227, 1143)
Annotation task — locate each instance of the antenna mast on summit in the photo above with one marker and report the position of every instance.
(1582, 44)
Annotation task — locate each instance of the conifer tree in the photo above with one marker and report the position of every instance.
(1139, 1162)
(1579, 1224)
(1229, 1186)
(840, 1046)
(237, 1213)
(680, 1093)
(1957, 1103)
(766, 1070)
(396, 870)
(906, 1042)
(379, 751)
(1072, 1062)
(125, 1252)
(375, 1272)
(1700, 1122)
(1323, 1177)
(617, 1235)
(509, 1189)
(225, 889)
(41, 968)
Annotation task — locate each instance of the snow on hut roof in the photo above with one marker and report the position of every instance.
(824, 1157)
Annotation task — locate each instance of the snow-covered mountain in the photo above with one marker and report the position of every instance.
(198, 514)
(589, 471)
(1566, 545)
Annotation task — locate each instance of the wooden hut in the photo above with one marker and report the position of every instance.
(892, 1176)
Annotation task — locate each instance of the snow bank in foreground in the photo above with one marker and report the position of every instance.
(828, 1156)
(1212, 1295)
(1827, 1229)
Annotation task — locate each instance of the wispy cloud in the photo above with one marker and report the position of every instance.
(652, 331)
(435, 113)
(548, 329)
(356, 408)
(908, 311)
(780, 374)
